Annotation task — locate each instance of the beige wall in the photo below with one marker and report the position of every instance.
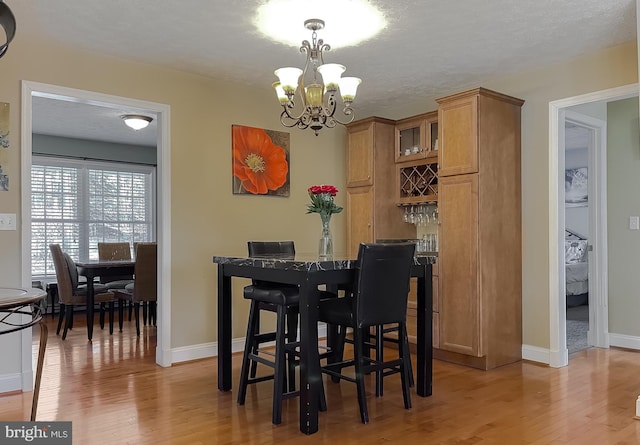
(206, 217)
(623, 183)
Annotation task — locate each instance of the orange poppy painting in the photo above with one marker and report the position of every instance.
(260, 161)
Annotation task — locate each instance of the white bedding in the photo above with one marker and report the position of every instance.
(577, 276)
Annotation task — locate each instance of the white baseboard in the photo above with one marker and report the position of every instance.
(207, 350)
(624, 341)
(542, 355)
(10, 382)
(536, 354)
(204, 350)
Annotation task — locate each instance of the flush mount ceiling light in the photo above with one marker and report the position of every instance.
(317, 99)
(136, 121)
(8, 23)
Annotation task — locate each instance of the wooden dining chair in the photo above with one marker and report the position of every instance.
(144, 287)
(71, 294)
(149, 308)
(108, 251)
(379, 297)
(115, 251)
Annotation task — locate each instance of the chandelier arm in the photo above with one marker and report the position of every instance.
(327, 119)
(287, 121)
(308, 50)
(305, 120)
(288, 108)
(346, 111)
(307, 117)
(322, 47)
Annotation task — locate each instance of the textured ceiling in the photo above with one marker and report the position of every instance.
(84, 121)
(429, 48)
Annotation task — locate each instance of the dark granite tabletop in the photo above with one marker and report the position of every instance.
(301, 262)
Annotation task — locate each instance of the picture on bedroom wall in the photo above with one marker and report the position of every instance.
(575, 187)
(4, 145)
(260, 161)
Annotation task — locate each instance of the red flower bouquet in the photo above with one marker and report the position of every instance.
(322, 201)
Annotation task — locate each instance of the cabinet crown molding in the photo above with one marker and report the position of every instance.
(482, 92)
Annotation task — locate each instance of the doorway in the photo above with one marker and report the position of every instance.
(33, 89)
(584, 135)
(559, 112)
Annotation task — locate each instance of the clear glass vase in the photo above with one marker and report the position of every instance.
(325, 247)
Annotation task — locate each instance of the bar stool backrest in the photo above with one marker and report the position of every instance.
(382, 283)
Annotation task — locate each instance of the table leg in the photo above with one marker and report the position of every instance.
(310, 374)
(224, 330)
(41, 350)
(425, 333)
(90, 304)
(332, 332)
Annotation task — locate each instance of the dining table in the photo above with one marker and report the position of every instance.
(92, 269)
(310, 273)
(21, 309)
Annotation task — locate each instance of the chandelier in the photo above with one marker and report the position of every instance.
(8, 23)
(318, 98)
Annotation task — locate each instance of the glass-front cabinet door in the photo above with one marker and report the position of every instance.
(416, 137)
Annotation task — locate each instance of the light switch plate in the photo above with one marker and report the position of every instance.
(634, 223)
(7, 221)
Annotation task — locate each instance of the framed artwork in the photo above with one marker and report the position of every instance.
(260, 161)
(576, 191)
(4, 145)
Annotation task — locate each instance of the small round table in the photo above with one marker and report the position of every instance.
(16, 301)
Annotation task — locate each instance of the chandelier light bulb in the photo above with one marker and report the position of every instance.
(282, 96)
(331, 73)
(314, 94)
(348, 88)
(288, 78)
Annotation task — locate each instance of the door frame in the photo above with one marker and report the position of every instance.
(163, 188)
(558, 353)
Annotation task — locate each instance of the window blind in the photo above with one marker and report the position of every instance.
(79, 203)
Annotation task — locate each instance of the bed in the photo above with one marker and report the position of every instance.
(577, 268)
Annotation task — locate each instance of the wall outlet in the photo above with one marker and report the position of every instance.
(634, 223)
(7, 221)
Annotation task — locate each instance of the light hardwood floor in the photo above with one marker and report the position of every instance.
(114, 393)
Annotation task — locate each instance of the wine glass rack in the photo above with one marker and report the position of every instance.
(417, 182)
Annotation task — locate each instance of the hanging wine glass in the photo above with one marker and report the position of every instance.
(426, 216)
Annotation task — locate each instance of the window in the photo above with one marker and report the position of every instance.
(80, 203)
